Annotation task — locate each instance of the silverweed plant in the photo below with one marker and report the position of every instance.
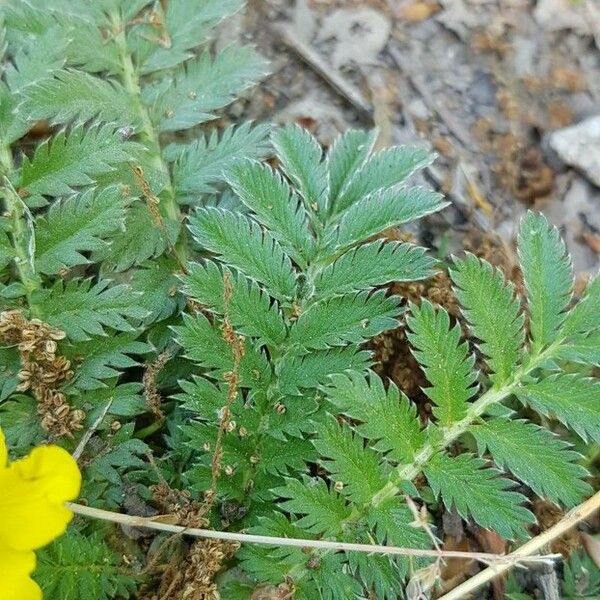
(314, 444)
(190, 322)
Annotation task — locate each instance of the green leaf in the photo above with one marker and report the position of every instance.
(35, 60)
(582, 349)
(536, 456)
(323, 510)
(298, 452)
(159, 288)
(83, 566)
(274, 205)
(380, 574)
(78, 224)
(140, 239)
(203, 343)
(249, 308)
(341, 319)
(387, 418)
(81, 309)
(79, 32)
(474, 490)
(548, 277)
(101, 357)
(583, 318)
(204, 85)
(372, 265)
(123, 453)
(346, 156)
(202, 164)
(187, 28)
(489, 304)
(392, 523)
(202, 397)
(241, 244)
(388, 168)
(446, 361)
(348, 461)
(332, 580)
(572, 399)
(72, 159)
(389, 207)
(296, 372)
(74, 95)
(300, 155)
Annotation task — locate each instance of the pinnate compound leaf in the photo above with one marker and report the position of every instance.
(188, 27)
(82, 566)
(493, 312)
(583, 318)
(240, 243)
(582, 349)
(348, 461)
(548, 277)
(73, 158)
(341, 319)
(322, 510)
(201, 164)
(203, 343)
(536, 456)
(82, 309)
(388, 168)
(204, 85)
(296, 372)
(570, 398)
(446, 361)
(474, 490)
(74, 95)
(101, 358)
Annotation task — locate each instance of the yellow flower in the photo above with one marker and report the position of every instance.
(33, 491)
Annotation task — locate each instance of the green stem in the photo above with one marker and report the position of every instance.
(148, 134)
(452, 432)
(17, 211)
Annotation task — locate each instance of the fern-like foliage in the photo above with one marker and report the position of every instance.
(368, 439)
(83, 566)
(303, 302)
(92, 236)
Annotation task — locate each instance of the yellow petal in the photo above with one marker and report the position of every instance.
(53, 470)
(15, 569)
(34, 491)
(3, 451)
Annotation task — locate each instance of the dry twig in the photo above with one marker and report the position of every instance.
(578, 514)
(498, 560)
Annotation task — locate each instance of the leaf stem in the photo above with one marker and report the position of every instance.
(21, 231)
(148, 134)
(452, 432)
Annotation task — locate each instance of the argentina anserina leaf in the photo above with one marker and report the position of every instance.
(474, 490)
(493, 312)
(548, 277)
(446, 361)
(242, 244)
(341, 319)
(536, 456)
